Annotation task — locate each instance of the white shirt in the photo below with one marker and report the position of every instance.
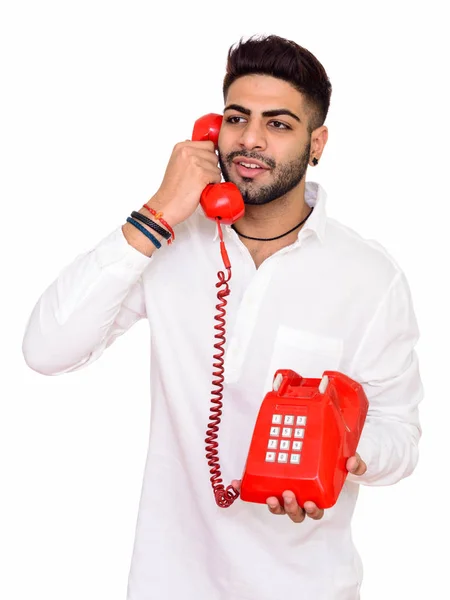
(329, 301)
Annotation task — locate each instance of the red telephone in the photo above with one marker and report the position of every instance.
(305, 431)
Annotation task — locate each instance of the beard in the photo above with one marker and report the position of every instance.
(286, 176)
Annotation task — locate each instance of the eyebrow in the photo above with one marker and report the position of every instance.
(267, 113)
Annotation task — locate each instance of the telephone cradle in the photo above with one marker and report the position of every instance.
(305, 431)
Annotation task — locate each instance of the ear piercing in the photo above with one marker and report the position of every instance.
(315, 161)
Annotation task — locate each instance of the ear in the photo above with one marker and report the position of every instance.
(319, 138)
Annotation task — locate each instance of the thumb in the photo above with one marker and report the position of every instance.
(236, 483)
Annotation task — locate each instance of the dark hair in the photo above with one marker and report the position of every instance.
(283, 59)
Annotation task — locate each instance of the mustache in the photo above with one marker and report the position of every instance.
(267, 161)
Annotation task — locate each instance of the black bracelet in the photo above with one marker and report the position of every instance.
(146, 232)
(140, 217)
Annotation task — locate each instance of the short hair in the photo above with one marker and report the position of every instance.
(284, 59)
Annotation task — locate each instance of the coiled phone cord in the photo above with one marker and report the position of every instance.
(224, 496)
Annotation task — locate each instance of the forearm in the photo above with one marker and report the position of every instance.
(390, 438)
(83, 310)
(390, 451)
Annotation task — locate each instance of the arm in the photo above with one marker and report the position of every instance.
(386, 365)
(99, 296)
(93, 301)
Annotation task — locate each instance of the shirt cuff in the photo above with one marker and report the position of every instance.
(121, 259)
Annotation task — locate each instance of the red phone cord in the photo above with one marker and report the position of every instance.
(224, 496)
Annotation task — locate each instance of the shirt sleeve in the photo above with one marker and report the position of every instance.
(92, 302)
(386, 364)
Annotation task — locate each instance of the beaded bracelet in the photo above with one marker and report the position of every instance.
(158, 217)
(146, 232)
(165, 234)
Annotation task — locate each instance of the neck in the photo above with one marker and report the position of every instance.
(276, 217)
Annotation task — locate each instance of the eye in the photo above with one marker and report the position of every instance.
(235, 120)
(279, 125)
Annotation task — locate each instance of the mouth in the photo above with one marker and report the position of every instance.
(249, 167)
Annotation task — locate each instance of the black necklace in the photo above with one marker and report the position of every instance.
(278, 236)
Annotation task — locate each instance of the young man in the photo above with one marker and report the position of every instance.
(307, 294)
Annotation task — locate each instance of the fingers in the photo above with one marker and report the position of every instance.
(313, 511)
(292, 509)
(356, 465)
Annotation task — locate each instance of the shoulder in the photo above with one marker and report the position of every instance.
(362, 259)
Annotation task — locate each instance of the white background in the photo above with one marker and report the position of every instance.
(94, 96)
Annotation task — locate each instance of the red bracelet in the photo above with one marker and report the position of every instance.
(158, 217)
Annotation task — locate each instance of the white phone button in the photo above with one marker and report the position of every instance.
(295, 459)
(288, 420)
(287, 432)
(301, 421)
(276, 419)
(284, 444)
(273, 444)
(282, 457)
(270, 456)
(297, 445)
(274, 431)
(299, 433)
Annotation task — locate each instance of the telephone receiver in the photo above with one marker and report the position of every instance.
(220, 201)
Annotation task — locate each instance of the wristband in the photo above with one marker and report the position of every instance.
(146, 232)
(158, 217)
(165, 234)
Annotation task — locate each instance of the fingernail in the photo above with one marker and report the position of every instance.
(272, 505)
(287, 500)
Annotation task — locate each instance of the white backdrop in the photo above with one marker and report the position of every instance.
(94, 96)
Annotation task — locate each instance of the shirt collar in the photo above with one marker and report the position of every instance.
(315, 196)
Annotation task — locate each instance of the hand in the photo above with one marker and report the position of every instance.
(355, 465)
(192, 166)
(291, 508)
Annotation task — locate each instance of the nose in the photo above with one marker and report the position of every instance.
(253, 136)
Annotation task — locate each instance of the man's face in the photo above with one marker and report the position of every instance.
(264, 146)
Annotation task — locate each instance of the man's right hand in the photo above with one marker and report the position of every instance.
(192, 166)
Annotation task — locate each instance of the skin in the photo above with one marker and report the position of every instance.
(282, 143)
(277, 139)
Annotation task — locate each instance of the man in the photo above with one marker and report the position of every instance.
(307, 294)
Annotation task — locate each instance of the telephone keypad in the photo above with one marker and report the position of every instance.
(297, 431)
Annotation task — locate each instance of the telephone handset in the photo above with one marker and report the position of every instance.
(222, 201)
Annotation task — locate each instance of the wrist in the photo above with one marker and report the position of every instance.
(166, 209)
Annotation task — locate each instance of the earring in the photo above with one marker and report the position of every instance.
(315, 161)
